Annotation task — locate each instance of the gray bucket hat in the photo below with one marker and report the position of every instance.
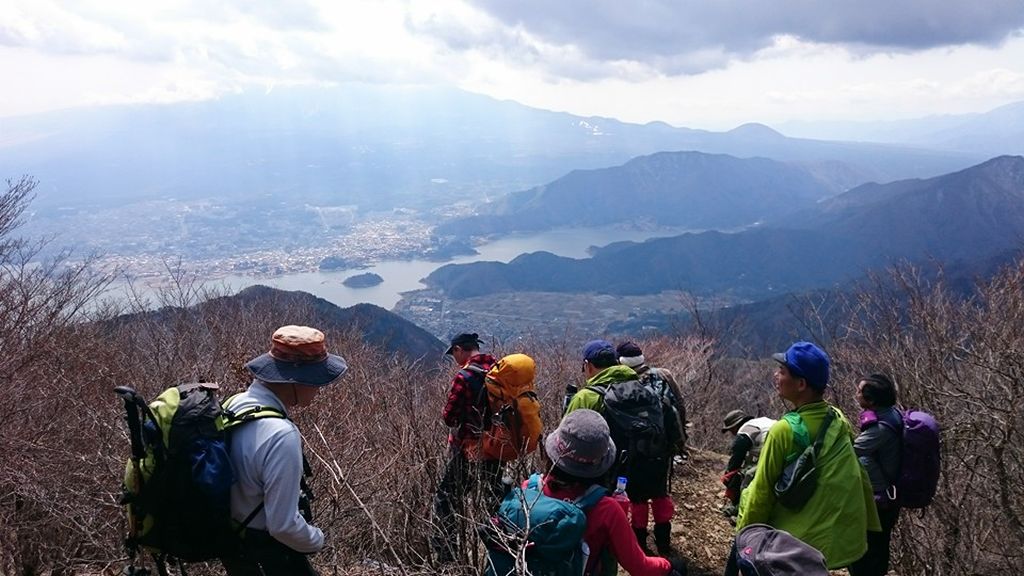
(581, 445)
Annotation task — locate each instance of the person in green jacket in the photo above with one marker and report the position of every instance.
(842, 510)
(601, 368)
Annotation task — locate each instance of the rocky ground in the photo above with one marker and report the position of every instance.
(700, 531)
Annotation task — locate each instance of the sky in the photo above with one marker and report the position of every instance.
(711, 64)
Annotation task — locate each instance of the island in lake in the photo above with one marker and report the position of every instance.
(363, 280)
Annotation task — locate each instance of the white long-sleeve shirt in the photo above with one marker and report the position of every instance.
(266, 458)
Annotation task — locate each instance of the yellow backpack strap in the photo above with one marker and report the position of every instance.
(229, 418)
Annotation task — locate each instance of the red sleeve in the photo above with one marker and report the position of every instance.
(611, 528)
(453, 409)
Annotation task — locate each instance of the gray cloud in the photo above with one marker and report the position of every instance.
(686, 36)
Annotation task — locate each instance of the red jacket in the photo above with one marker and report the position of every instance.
(607, 527)
(464, 409)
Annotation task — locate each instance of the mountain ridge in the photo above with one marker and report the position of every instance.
(350, 143)
(982, 213)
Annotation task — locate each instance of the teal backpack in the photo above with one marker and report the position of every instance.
(544, 532)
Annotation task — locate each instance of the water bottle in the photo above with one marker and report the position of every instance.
(620, 495)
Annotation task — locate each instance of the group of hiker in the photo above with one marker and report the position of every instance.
(806, 481)
(626, 422)
(808, 475)
(853, 503)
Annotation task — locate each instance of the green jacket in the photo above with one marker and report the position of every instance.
(587, 398)
(838, 516)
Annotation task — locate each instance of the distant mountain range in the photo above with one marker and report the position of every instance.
(676, 189)
(972, 214)
(999, 131)
(377, 148)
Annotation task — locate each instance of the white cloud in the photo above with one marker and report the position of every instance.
(712, 66)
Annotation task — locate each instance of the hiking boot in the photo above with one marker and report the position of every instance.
(663, 538)
(641, 538)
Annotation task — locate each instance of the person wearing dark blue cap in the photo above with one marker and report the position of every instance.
(266, 455)
(600, 368)
(836, 517)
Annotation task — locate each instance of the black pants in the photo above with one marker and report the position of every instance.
(461, 479)
(262, 555)
(732, 567)
(875, 562)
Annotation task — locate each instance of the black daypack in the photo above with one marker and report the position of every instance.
(674, 422)
(636, 420)
(177, 482)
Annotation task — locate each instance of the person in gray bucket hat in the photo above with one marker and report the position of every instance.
(266, 455)
(581, 445)
(582, 452)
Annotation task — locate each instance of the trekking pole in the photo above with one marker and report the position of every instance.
(138, 453)
(131, 407)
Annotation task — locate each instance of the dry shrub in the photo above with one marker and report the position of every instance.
(961, 359)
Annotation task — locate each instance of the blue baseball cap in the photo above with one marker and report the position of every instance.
(805, 360)
(595, 348)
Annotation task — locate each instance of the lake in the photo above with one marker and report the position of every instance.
(404, 275)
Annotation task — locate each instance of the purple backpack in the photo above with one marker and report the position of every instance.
(921, 459)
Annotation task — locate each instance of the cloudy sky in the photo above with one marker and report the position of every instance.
(698, 63)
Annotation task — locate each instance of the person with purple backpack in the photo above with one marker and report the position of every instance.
(879, 448)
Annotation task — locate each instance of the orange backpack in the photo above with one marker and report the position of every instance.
(512, 426)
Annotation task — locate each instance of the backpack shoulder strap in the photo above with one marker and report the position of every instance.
(232, 418)
(884, 422)
(591, 497)
(475, 368)
(800, 433)
(820, 440)
(475, 375)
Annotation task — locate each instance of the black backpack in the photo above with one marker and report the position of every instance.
(177, 482)
(636, 419)
(674, 422)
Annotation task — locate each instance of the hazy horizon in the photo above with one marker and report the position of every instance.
(690, 64)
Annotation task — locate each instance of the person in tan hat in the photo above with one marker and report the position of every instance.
(266, 455)
(749, 436)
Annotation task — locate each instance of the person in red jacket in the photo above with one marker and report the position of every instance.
(464, 414)
(582, 451)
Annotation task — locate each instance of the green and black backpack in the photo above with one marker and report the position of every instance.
(177, 482)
